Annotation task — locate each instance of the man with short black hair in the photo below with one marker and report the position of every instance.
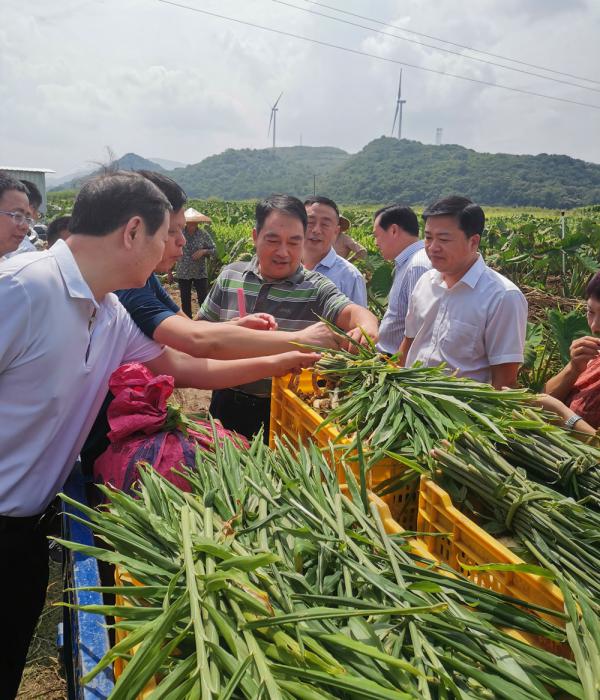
(14, 214)
(59, 228)
(396, 233)
(319, 254)
(275, 282)
(462, 312)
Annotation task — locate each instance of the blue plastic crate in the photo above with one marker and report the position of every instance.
(85, 636)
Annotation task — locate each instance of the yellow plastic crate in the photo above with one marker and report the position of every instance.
(423, 507)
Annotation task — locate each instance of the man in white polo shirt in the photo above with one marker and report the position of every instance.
(462, 312)
(62, 335)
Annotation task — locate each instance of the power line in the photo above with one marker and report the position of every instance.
(378, 58)
(453, 43)
(436, 48)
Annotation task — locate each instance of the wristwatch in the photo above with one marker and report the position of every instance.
(570, 422)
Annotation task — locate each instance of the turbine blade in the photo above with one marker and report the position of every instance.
(400, 85)
(276, 103)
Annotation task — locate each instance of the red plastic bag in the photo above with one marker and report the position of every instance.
(144, 428)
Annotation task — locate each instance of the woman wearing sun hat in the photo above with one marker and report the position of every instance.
(191, 268)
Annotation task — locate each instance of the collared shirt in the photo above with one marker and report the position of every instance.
(479, 322)
(346, 277)
(149, 305)
(188, 269)
(409, 265)
(58, 348)
(296, 301)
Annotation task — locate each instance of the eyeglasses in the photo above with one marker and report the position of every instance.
(19, 218)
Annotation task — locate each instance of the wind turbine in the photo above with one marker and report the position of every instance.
(399, 103)
(273, 119)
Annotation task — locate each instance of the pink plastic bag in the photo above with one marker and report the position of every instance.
(143, 428)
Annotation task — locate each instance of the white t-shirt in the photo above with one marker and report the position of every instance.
(58, 348)
(480, 321)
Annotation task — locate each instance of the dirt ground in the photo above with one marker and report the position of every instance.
(43, 674)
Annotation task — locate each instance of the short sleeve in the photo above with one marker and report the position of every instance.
(330, 301)
(359, 292)
(139, 347)
(15, 320)
(148, 306)
(506, 328)
(213, 303)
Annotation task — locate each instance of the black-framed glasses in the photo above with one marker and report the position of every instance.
(19, 218)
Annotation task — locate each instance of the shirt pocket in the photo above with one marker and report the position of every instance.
(461, 340)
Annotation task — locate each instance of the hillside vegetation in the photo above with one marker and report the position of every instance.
(388, 170)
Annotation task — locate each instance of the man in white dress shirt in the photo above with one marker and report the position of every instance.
(462, 312)
(319, 254)
(396, 233)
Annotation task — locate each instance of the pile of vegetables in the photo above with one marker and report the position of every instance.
(269, 580)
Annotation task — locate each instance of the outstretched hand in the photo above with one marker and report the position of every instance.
(293, 362)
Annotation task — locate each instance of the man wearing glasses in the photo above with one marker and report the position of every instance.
(14, 214)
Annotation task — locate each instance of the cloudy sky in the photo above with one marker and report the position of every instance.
(164, 81)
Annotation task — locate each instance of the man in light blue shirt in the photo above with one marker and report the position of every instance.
(396, 232)
(319, 254)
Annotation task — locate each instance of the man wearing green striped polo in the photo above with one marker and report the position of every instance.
(275, 282)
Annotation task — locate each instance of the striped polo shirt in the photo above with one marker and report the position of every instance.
(295, 302)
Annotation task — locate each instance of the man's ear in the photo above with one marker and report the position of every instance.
(474, 241)
(254, 236)
(131, 231)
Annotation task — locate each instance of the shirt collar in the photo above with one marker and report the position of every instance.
(470, 278)
(76, 285)
(408, 252)
(294, 278)
(472, 275)
(329, 260)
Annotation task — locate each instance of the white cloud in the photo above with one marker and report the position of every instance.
(142, 76)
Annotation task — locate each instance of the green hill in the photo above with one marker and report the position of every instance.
(389, 170)
(249, 173)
